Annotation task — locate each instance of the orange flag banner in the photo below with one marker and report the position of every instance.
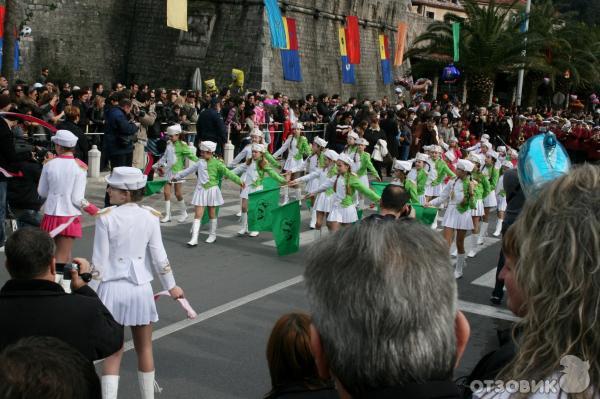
(400, 43)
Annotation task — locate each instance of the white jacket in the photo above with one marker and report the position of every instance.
(62, 185)
(128, 245)
(380, 150)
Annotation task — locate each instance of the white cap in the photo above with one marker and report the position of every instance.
(209, 146)
(345, 159)
(75, 88)
(298, 125)
(64, 138)
(465, 165)
(427, 147)
(492, 153)
(450, 155)
(126, 178)
(436, 148)
(354, 135)
(173, 130)
(453, 139)
(421, 157)
(485, 137)
(256, 132)
(501, 149)
(37, 85)
(487, 145)
(474, 158)
(320, 142)
(507, 164)
(259, 147)
(404, 166)
(332, 155)
(362, 141)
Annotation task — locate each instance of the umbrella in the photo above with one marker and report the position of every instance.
(196, 81)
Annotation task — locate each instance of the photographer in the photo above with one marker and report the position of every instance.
(145, 114)
(32, 304)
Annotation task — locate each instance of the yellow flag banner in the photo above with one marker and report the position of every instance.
(177, 14)
(400, 43)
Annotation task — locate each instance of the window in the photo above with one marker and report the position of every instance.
(430, 14)
(420, 10)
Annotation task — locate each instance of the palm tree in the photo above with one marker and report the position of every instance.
(490, 43)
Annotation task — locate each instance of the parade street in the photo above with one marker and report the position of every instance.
(239, 287)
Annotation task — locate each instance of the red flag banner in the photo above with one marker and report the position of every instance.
(353, 39)
(400, 43)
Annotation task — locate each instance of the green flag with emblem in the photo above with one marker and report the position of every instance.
(260, 205)
(423, 214)
(154, 186)
(286, 228)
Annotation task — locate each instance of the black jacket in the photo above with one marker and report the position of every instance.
(301, 392)
(390, 127)
(42, 308)
(22, 190)
(7, 148)
(210, 127)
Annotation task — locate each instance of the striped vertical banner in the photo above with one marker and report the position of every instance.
(400, 43)
(348, 76)
(275, 24)
(290, 58)
(384, 52)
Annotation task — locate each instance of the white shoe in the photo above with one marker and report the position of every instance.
(148, 385)
(110, 386)
(454, 252)
(482, 233)
(195, 231)
(183, 212)
(212, 236)
(253, 234)
(471, 245)
(458, 268)
(167, 217)
(498, 230)
(313, 217)
(239, 214)
(243, 224)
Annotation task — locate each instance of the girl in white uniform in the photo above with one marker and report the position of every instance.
(315, 162)
(62, 186)
(459, 193)
(489, 202)
(343, 212)
(253, 172)
(128, 250)
(297, 147)
(324, 200)
(501, 198)
(207, 194)
(351, 149)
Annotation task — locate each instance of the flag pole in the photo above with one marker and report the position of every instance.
(522, 70)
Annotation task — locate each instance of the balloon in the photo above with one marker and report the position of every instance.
(450, 74)
(542, 159)
(573, 97)
(546, 81)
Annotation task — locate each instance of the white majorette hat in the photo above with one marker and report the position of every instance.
(362, 141)
(404, 166)
(298, 125)
(332, 155)
(421, 157)
(436, 148)
(64, 138)
(354, 135)
(453, 140)
(450, 155)
(501, 149)
(256, 132)
(507, 164)
(492, 153)
(487, 145)
(320, 142)
(173, 130)
(474, 158)
(485, 137)
(259, 147)
(209, 146)
(427, 147)
(126, 178)
(345, 159)
(465, 165)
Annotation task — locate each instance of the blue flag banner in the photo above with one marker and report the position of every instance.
(278, 39)
(386, 70)
(290, 60)
(17, 64)
(348, 75)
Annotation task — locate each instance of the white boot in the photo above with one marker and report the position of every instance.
(239, 214)
(435, 223)
(458, 268)
(148, 384)
(183, 212)
(212, 236)
(110, 386)
(472, 245)
(243, 224)
(482, 233)
(167, 217)
(498, 228)
(195, 231)
(313, 217)
(453, 251)
(316, 235)
(286, 195)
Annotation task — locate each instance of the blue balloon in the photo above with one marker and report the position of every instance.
(450, 73)
(541, 159)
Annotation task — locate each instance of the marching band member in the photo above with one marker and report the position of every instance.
(62, 186)
(128, 250)
(344, 185)
(323, 200)
(501, 198)
(489, 202)
(315, 162)
(401, 170)
(207, 194)
(171, 162)
(442, 172)
(254, 171)
(350, 148)
(460, 195)
(363, 166)
(420, 175)
(481, 191)
(297, 147)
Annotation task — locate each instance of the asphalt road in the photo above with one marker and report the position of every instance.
(240, 287)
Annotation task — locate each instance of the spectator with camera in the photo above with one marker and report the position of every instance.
(145, 114)
(32, 304)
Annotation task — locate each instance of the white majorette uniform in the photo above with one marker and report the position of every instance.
(479, 209)
(458, 215)
(313, 164)
(324, 200)
(128, 248)
(491, 174)
(62, 186)
(297, 148)
(501, 194)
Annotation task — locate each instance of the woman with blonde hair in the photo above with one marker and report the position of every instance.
(557, 278)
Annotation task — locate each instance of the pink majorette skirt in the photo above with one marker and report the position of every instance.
(50, 222)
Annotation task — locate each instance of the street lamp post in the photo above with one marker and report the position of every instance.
(522, 70)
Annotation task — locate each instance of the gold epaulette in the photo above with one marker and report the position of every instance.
(152, 211)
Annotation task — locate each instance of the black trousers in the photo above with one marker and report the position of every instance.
(116, 161)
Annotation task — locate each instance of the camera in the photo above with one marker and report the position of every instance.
(87, 277)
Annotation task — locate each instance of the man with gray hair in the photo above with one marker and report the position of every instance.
(386, 322)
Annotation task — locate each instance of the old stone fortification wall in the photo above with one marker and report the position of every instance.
(110, 40)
